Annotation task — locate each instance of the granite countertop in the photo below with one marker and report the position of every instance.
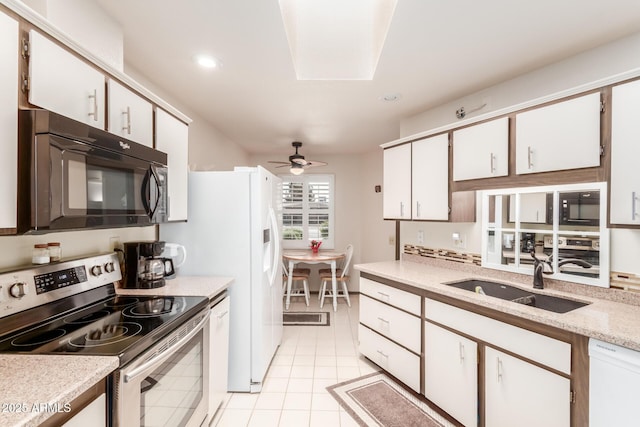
(206, 286)
(611, 321)
(29, 382)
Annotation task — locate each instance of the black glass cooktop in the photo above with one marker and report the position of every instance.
(121, 326)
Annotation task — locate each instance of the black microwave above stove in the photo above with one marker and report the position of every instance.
(74, 176)
(576, 208)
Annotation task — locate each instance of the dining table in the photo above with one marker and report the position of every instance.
(293, 257)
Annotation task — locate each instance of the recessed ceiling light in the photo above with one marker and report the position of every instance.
(207, 61)
(391, 97)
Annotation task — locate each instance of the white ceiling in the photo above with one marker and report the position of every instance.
(436, 51)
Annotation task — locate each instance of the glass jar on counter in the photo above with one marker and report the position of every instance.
(55, 251)
(40, 254)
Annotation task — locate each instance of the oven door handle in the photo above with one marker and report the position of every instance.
(166, 354)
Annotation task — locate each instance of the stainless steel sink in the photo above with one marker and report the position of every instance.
(520, 296)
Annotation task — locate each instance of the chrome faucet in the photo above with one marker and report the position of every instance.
(539, 268)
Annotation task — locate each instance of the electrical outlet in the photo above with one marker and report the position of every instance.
(421, 237)
(114, 243)
(392, 240)
(460, 240)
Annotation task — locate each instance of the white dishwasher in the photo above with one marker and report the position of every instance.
(614, 385)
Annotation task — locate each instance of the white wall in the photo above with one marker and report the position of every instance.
(437, 235)
(86, 23)
(209, 149)
(608, 62)
(376, 232)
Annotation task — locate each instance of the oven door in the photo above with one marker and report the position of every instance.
(169, 383)
(77, 185)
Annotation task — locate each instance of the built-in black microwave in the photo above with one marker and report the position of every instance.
(576, 208)
(74, 176)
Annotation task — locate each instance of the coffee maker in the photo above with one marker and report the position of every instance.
(144, 268)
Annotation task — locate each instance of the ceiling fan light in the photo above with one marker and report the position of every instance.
(296, 169)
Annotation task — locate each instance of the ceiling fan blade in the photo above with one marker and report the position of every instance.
(280, 163)
(300, 161)
(288, 165)
(314, 163)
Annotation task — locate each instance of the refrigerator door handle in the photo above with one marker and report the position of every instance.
(275, 262)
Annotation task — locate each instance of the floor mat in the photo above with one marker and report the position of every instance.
(377, 400)
(305, 318)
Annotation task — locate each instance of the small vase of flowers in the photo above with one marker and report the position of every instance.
(315, 245)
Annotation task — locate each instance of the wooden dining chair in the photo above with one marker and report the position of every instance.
(298, 275)
(342, 278)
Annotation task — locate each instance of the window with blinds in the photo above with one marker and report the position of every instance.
(307, 210)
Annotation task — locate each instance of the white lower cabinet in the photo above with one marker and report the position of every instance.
(398, 361)
(94, 414)
(219, 354)
(397, 325)
(522, 388)
(451, 373)
(520, 394)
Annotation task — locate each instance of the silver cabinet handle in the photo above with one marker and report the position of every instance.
(383, 295)
(221, 315)
(529, 155)
(94, 97)
(499, 369)
(382, 354)
(634, 200)
(401, 209)
(461, 349)
(128, 125)
(383, 320)
(418, 209)
(493, 163)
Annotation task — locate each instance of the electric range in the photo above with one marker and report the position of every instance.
(72, 308)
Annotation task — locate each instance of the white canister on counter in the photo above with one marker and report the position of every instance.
(40, 254)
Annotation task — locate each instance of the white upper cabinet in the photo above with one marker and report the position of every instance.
(130, 116)
(533, 208)
(63, 83)
(8, 120)
(430, 178)
(561, 136)
(172, 137)
(397, 182)
(481, 151)
(625, 152)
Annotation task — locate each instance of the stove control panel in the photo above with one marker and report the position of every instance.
(59, 279)
(30, 287)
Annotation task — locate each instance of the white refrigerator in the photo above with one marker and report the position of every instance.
(234, 229)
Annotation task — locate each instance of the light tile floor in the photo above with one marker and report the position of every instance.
(309, 359)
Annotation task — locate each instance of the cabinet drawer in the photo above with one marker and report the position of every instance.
(394, 324)
(548, 351)
(394, 359)
(395, 297)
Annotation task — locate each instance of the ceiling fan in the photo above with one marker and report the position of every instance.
(297, 164)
